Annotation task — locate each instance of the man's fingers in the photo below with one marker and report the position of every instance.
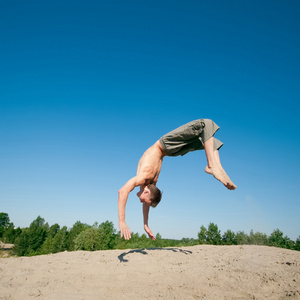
(151, 235)
(126, 235)
(125, 232)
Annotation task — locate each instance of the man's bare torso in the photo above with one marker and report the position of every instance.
(150, 163)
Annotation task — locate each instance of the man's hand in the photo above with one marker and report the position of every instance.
(122, 199)
(149, 232)
(124, 230)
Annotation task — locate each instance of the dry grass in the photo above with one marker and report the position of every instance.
(6, 253)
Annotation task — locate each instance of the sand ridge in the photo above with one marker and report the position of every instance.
(197, 272)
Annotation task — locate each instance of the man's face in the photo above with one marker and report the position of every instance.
(144, 194)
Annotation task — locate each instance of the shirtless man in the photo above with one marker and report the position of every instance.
(195, 135)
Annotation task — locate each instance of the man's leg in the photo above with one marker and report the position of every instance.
(214, 166)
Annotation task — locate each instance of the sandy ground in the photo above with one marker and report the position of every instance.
(198, 272)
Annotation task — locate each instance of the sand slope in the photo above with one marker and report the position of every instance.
(199, 272)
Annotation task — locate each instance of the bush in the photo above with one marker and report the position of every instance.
(100, 237)
(89, 239)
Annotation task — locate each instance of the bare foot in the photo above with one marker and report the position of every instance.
(221, 175)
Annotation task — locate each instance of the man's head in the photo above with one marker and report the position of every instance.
(149, 194)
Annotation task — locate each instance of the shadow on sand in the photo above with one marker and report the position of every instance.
(144, 252)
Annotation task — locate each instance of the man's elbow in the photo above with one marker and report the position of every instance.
(121, 194)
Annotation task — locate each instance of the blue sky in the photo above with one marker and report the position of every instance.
(87, 86)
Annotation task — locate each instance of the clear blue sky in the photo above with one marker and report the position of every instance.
(87, 86)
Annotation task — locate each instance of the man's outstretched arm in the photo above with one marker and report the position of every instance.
(146, 208)
(122, 200)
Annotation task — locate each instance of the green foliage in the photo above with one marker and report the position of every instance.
(135, 242)
(56, 243)
(89, 239)
(39, 238)
(297, 244)
(188, 242)
(229, 238)
(60, 239)
(10, 234)
(143, 241)
(4, 221)
(77, 228)
(242, 238)
(53, 230)
(202, 235)
(107, 236)
(258, 238)
(213, 235)
(32, 238)
(276, 239)
(4, 224)
(165, 243)
(22, 243)
(102, 237)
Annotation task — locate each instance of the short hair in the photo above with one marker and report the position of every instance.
(155, 196)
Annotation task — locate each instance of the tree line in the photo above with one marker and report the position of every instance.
(40, 238)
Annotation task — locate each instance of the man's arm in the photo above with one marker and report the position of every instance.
(122, 200)
(146, 208)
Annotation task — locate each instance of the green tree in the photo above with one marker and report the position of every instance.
(47, 246)
(229, 238)
(22, 243)
(10, 234)
(32, 238)
(4, 223)
(276, 239)
(213, 235)
(4, 220)
(56, 243)
(158, 241)
(297, 244)
(202, 235)
(108, 238)
(77, 228)
(88, 239)
(289, 243)
(60, 239)
(242, 238)
(258, 238)
(53, 230)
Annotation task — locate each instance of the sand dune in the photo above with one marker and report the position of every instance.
(198, 272)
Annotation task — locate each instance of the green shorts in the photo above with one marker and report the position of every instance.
(190, 137)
